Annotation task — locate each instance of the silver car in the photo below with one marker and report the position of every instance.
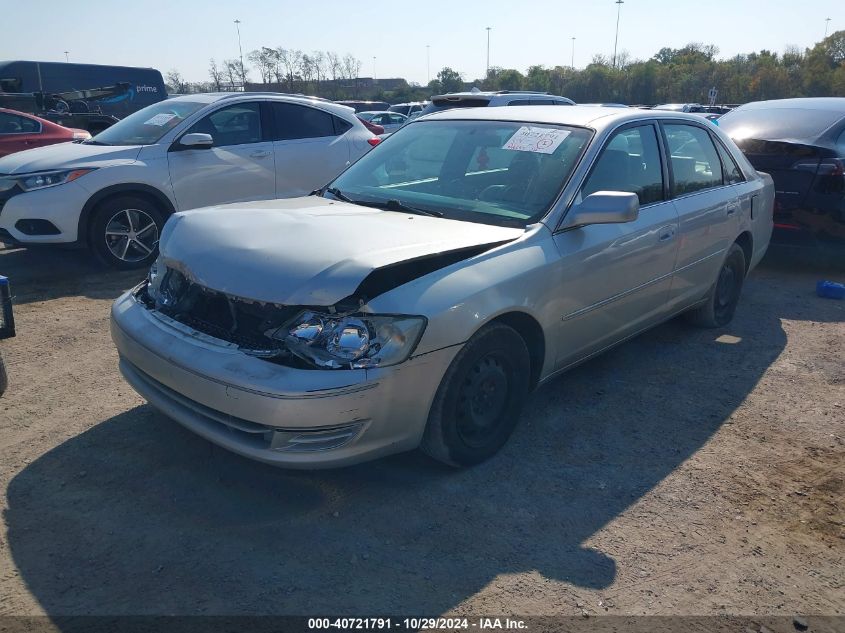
(418, 299)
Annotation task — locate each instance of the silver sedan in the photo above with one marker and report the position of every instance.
(418, 299)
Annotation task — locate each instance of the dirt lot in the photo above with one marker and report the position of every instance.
(688, 471)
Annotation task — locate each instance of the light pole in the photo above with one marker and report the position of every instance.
(572, 65)
(826, 25)
(67, 59)
(240, 51)
(488, 51)
(428, 63)
(619, 4)
(374, 69)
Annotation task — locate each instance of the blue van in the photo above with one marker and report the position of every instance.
(146, 85)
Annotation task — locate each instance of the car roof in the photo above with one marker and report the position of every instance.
(213, 97)
(595, 117)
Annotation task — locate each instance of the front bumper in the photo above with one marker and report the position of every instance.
(269, 412)
(60, 205)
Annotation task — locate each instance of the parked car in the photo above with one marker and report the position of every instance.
(114, 192)
(390, 121)
(711, 113)
(19, 131)
(364, 106)
(7, 326)
(411, 110)
(478, 99)
(421, 297)
(372, 127)
(801, 144)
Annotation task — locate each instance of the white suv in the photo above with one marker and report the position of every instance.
(476, 98)
(114, 192)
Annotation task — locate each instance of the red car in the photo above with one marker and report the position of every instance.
(19, 131)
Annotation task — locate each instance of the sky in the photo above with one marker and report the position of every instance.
(185, 34)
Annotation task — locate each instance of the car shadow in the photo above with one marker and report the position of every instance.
(44, 273)
(138, 516)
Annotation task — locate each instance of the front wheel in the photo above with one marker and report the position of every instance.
(480, 398)
(125, 230)
(722, 300)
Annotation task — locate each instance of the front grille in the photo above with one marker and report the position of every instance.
(218, 315)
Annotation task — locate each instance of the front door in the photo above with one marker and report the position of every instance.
(615, 278)
(240, 166)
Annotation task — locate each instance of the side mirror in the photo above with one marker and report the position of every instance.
(196, 140)
(604, 207)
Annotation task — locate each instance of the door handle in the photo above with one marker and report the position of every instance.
(260, 154)
(732, 209)
(666, 233)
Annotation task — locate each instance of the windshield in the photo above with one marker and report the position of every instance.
(494, 172)
(147, 126)
(778, 123)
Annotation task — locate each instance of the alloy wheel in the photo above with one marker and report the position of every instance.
(131, 235)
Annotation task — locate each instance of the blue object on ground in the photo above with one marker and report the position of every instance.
(830, 290)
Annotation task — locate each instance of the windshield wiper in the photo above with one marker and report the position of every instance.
(397, 205)
(91, 141)
(391, 205)
(337, 193)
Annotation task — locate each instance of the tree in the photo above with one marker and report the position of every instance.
(450, 80)
(264, 60)
(174, 82)
(233, 72)
(215, 74)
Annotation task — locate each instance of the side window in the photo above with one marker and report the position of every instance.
(396, 118)
(14, 124)
(341, 126)
(732, 174)
(695, 162)
(297, 121)
(629, 162)
(236, 124)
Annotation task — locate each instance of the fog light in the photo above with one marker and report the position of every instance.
(36, 227)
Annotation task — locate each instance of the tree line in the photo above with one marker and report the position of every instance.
(671, 75)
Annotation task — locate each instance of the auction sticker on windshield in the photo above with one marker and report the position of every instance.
(160, 119)
(542, 140)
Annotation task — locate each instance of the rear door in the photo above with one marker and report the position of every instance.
(311, 147)
(18, 133)
(708, 209)
(238, 167)
(616, 277)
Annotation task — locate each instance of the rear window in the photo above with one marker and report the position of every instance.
(778, 123)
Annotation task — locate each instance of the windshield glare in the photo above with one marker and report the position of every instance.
(148, 125)
(494, 172)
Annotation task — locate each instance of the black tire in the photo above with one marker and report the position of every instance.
(480, 398)
(721, 302)
(139, 218)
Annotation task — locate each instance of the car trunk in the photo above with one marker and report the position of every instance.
(792, 166)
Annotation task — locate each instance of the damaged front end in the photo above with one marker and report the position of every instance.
(305, 337)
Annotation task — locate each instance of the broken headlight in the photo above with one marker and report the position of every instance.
(353, 341)
(154, 279)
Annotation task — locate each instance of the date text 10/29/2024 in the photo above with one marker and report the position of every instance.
(416, 624)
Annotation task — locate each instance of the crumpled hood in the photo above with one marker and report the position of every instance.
(306, 251)
(66, 156)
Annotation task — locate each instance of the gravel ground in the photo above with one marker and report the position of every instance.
(685, 472)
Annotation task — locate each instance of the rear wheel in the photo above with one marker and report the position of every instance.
(125, 230)
(721, 303)
(480, 398)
